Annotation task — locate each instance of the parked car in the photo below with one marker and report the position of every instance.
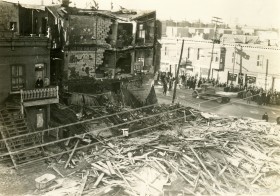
(208, 92)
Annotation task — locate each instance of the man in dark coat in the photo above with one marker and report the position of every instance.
(265, 117)
(164, 86)
(39, 83)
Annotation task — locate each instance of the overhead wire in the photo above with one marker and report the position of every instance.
(120, 136)
(77, 123)
(102, 129)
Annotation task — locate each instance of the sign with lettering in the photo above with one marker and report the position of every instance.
(251, 79)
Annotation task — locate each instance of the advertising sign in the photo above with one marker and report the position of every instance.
(232, 77)
(251, 79)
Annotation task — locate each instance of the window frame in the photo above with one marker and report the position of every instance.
(19, 85)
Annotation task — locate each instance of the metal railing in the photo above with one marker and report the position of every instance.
(39, 93)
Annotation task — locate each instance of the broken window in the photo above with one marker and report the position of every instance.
(141, 34)
(44, 26)
(124, 35)
(141, 31)
(123, 64)
(13, 26)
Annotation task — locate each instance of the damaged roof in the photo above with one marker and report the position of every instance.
(61, 12)
(133, 14)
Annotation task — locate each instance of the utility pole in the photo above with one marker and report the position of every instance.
(177, 72)
(240, 66)
(266, 73)
(234, 54)
(216, 20)
(240, 62)
(241, 55)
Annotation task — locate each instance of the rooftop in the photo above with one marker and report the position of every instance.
(61, 12)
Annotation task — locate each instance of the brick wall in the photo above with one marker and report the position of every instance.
(26, 56)
(9, 13)
(86, 30)
(84, 63)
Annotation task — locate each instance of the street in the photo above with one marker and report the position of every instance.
(236, 107)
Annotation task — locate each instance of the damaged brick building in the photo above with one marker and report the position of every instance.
(88, 45)
(70, 50)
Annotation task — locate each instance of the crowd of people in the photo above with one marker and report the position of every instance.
(251, 93)
(261, 96)
(184, 81)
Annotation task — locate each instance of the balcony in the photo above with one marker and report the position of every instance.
(39, 96)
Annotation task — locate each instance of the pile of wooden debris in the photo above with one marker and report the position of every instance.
(209, 156)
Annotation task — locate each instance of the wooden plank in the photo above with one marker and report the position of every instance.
(104, 170)
(83, 184)
(56, 170)
(204, 167)
(161, 166)
(111, 169)
(103, 165)
(98, 180)
(72, 153)
(41, 102)
(124, 179)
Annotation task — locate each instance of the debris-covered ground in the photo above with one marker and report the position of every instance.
(206, 156)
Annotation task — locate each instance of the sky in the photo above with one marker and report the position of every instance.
(261, 13)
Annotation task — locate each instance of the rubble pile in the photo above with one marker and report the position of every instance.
(125, 118)
(209, 156)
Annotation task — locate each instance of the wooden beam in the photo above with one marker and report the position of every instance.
(40, 102)
(72, 153)
(83, 184)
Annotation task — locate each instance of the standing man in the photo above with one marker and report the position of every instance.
(249, 96)
(164, 86)
(39, 83)
(265, 117)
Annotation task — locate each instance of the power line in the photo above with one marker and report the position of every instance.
(79, 122)
(121, 136)
(102, 129)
